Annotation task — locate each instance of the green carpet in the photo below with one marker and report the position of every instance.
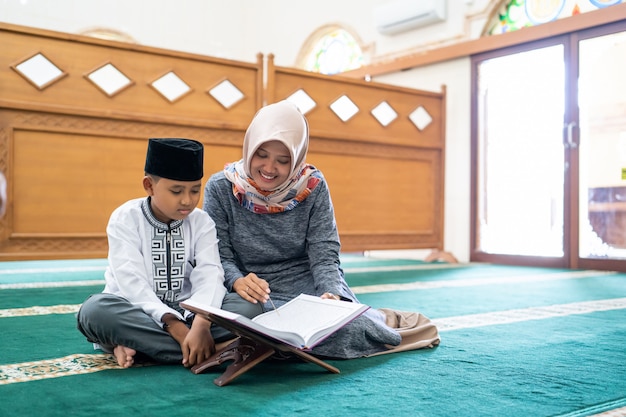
(515, 342)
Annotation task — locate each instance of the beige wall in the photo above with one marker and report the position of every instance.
(456, 76)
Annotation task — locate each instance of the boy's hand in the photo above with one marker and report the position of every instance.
(176, 328)
(198, 345)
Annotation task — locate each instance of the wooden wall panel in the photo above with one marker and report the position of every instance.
(383, 203)
(67, 174)
(72, 154)
(78, 56)
(363, 127)
(79, 178)
(387, 182)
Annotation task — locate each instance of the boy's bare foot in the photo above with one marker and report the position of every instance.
(125, 356)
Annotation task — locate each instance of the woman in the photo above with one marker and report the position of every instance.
(277, 231)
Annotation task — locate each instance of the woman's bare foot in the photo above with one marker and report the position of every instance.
(125, 356)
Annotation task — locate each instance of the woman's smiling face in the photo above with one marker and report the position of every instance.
(270, 165)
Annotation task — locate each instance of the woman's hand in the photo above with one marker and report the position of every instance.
(330, 296)
(252, 288)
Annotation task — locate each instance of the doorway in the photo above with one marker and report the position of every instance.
(549, 152)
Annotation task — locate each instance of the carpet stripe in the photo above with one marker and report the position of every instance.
(615, 408)
(374, 288)
(391, 268)
(51, 270)
(525, 314)
(63, 269)
(424, 285)
(618, 412)
(69, 283)
(81, 364)
(61, 284)
(57, 284)
(55, 368)
(40, 310)
(448, 323)
(379, 288)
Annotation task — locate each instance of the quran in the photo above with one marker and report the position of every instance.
(302, 323)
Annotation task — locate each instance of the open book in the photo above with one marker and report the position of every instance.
(302, 322)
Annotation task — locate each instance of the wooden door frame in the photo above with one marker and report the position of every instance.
(571, 233)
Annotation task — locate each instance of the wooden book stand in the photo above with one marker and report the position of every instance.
(248, 350)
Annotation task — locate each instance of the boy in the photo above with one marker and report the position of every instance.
(162, 250)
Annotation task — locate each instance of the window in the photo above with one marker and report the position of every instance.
(549, 178)
(517, 14)
(108, 34)
(331, 50)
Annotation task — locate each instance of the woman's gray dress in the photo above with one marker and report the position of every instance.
(296, 252)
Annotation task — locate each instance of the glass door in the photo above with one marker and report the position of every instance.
(602, 153)
(549, 152)
(519, 155)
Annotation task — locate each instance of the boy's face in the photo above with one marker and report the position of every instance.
(270, 165)
(172, 200)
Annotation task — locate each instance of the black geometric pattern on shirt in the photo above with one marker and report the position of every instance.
(168, 292)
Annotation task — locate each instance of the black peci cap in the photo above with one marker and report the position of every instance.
(175, 159)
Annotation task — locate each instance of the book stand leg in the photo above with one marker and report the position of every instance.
(244, 353)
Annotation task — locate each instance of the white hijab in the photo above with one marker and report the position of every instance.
(283, 122)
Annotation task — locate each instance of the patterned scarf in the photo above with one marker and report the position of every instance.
(281, 122)
(285, 198)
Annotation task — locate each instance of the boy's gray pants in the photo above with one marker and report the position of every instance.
(110, 320)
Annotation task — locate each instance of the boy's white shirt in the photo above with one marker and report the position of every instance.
(130, 275)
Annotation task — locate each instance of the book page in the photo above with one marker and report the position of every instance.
(302, 322)
(306, 315)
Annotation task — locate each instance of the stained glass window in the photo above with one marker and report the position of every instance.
(517, 14)
(334, 51)
(108, 34)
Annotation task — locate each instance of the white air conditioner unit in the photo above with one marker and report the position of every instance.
(401, 15)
